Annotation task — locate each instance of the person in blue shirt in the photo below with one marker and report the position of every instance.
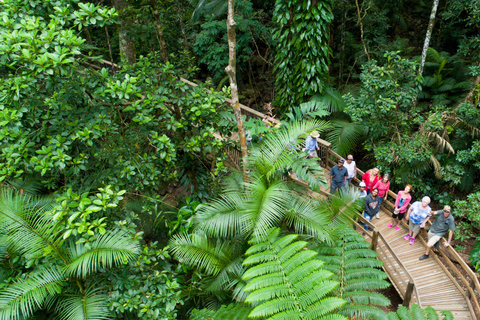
(311, 144)
(338, 176)
(417, 215)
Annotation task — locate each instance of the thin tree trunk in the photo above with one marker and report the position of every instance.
(231, 72)
(159, 27)
(127, 44)
(360, 23)
(431, 23)
(109, 48)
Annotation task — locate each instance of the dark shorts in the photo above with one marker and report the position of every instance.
(399, 215)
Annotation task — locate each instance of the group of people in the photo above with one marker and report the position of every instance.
(374, 190)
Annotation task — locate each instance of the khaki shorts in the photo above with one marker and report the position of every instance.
(414, 227)
(432, 239)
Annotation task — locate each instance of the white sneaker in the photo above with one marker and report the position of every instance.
(378, 215)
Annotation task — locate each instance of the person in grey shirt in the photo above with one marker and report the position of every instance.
(338, 176)
(443, 223)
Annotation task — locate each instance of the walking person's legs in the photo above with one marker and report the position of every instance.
(380, 199)
(432, 241)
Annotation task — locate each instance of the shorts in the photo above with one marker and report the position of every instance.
(414, 227)
(398, 216)
(432, 239)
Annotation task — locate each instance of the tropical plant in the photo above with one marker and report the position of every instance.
(416, 312)
(301, 60)
(58, 275)
(356, 268)
(224, 225)
(475, 255)
(233, 311)
(285, 281)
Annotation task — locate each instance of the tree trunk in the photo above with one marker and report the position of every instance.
(431, 23)
(231, 72)
(360, 23)
(159, 26)
(127, 44)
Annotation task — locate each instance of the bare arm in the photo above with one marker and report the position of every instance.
(407, 217)
(424, 223)
(450, 235)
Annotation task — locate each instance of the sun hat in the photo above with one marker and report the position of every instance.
(341, 160)
(315, 134)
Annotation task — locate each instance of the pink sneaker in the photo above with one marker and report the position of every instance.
(390, 225)
(407, 237)
(412, 241)
(397, 228)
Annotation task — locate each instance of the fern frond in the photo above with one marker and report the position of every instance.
(230, 312)
(289, 281)
(354, 311)
(367, 298)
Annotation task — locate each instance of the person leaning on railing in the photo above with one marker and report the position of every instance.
(443, 223)
(401, 206)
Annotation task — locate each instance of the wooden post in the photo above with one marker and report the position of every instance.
(374, 240)
(408, 293)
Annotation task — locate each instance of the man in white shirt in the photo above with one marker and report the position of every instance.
(351, 169)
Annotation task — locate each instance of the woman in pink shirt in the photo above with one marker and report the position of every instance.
(383, 186)
(370, 178)
(401, 205)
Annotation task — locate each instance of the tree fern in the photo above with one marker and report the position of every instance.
(230, 312)
(416, 312)
(285, 281)
(355, 267)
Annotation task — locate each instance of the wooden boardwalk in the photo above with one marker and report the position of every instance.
(433, 284)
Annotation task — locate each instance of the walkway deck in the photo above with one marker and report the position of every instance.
(435, 285)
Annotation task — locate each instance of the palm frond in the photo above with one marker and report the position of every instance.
(22, 298)
(223, 217)
(344, 135)
(89, 306)
(332, 98)
(197, 250)
(108, 250)
(30, 230)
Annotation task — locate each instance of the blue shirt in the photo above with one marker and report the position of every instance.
(311, 143)
(418, 215)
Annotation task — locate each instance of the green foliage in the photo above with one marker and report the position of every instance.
(469, 209)
(145, 288)
(356, 268)
(444, 80)
(230, 312)
(211, 43)
(84, 128)
(416, 312)
(301, 59)
(475, 255)
(55, 275)
(285, 281)
(400, 134)
(463, 20)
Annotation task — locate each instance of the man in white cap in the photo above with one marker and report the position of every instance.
(443, 223)
(361, 190)
(311, 144)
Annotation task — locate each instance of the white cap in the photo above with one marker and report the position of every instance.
(362, 184)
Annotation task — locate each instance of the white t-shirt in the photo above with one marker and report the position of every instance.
(350, 168)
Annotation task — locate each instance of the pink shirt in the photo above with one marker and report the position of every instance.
(382, 187)
(407, 200)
